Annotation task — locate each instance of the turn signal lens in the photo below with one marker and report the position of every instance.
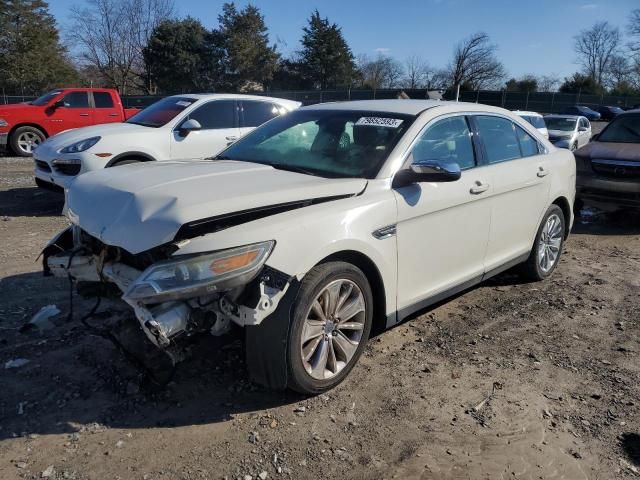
(234, 262)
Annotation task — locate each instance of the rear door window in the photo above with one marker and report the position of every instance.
(528, 144)
(498, 136)
(102, 100)
(255, 113)
(76, 100)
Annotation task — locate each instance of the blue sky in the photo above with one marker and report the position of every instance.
(533, 37)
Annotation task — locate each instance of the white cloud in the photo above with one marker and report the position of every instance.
(382, 50)
(589, 6)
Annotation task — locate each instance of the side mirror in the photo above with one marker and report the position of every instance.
(58, 104)
(582, 129)
(190, 125)
(428, 171)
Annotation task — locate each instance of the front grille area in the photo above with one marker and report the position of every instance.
(622, 169)
(67, 169)
(44, 166)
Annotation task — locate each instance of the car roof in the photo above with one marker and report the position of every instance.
(239, 96)
(572, 117)
(406, 106)
(525, 112)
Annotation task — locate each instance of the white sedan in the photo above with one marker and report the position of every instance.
(177, 127)
(319, 226)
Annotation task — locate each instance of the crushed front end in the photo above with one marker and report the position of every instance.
(173, 296)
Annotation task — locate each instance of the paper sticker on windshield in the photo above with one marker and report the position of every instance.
(182, 103)
(380, 122)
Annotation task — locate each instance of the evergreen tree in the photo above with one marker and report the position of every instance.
(326, 58)
(183, 56)
(32, 59)
(250, 61)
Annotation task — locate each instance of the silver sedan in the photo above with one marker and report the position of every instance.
(568, 131)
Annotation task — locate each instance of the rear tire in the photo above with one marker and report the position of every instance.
(24, 139)
(547, 247)
(330, 324)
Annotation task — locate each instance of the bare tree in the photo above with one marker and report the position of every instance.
(111, 35)
(633, 29)
(417, 72)
(475, 63)
(548, 83)
(595, 47)
(618, 71)
(381, 72)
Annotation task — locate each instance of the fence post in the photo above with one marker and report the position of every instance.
(504, 97)
(526, 102)
(477, 95)
(320, 96)
(553, 96)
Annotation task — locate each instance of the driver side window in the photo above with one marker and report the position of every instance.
(76, 100)
(448, 139)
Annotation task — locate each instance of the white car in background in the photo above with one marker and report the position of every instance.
(319, 226)
(177, 127)
(568, 131)
(535, 119)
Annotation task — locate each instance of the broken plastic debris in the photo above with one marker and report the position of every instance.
(16, 363)
(41, 319)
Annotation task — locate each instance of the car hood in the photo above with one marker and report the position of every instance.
(560, 133)
(71, 136)
(7, 110)
(611, 151)
(140, 206)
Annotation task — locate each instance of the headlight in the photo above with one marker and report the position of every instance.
(200, 275)
(81, 146)
(3, 122)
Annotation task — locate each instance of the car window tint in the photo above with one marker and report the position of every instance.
(498, 137)
(447, 139)
(256, 113)
(102, 100)
(538, 122)
(215, 115)
(623, 129)
(528, 144)
(76, 100)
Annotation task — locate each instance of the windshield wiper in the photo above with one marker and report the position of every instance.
(294, 168)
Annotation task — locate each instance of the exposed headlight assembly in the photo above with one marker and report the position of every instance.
(199, 275)
(81, 146)
(3, 122)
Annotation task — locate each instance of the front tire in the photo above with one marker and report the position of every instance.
(330, 325)
(25, 139)
(547, 247)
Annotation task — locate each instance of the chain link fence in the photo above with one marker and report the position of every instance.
(543, 102)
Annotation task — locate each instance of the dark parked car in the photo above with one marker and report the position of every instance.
(582, 110)
(608, 169)
(608, 112)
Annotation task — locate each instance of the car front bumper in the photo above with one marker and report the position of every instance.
(608, 193)
(4, 139)
(47, 171)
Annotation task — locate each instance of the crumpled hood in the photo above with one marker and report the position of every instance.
(611, 151)
(141, 206)
(68, 137)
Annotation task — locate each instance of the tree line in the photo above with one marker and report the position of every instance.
(142, 47)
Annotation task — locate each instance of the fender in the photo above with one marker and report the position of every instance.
(144, 156)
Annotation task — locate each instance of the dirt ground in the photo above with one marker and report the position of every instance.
(509, 380)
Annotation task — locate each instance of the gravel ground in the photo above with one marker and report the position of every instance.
(509, 380)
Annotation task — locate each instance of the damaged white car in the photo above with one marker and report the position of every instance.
(320, 226)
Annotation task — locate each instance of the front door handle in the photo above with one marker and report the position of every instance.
(479, 187)
(542, 172)
(84, 114)
(231, 138)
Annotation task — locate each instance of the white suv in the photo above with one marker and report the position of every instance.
(319, 226)
(178, 127)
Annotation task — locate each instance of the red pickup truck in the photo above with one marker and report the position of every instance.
(25, 125)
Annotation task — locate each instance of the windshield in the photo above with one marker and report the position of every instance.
(537, 122)
(161, 112)
(46, 98)
(326, 143)
(560, 123)
(624, 129)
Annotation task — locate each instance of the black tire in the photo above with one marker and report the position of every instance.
(312, 285)
(532, 268)
(23, 138)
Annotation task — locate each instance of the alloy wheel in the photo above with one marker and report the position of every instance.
(333, 328)
(27, 141)
(550, 243)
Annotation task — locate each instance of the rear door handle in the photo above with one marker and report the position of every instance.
(542, 172)
(84, 114)
(479, 187)
(113, 114)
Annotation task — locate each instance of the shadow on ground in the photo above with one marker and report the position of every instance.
(595, 222)
(30, 202)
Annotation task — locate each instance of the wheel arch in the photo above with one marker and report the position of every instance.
(27, 124)
(141, 156)
(564, 205)
(371, 271)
